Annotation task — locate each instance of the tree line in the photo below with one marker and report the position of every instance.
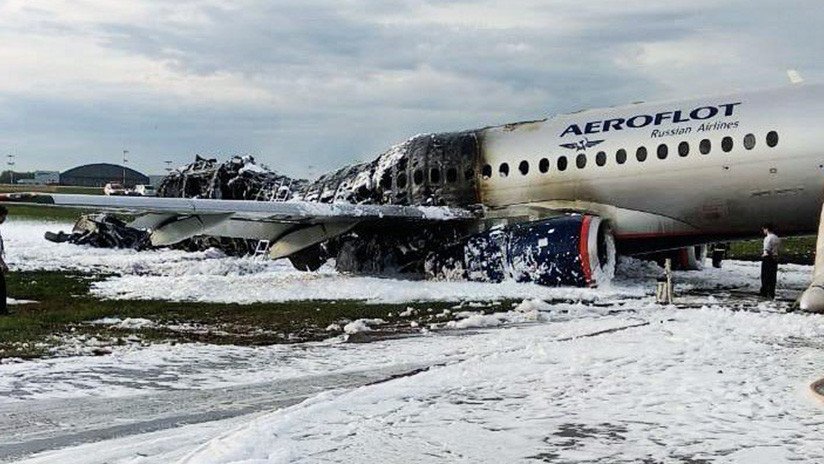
(5, 176)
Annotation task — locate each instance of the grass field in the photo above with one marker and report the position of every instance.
(9, 188)
(65, 307)
(44, 213)
(48, 213)
(796, 250)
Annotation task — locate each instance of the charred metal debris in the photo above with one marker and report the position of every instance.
(240, 178)
(426, 170)
(433, 169)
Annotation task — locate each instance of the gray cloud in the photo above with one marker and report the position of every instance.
(323, 83)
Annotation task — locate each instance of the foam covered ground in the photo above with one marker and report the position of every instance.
(609, 377)
(211, 276)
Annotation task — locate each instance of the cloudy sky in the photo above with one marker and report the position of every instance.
(309, 85)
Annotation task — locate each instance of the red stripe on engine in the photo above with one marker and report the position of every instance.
(583, 249)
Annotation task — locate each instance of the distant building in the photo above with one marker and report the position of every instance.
(98, 175)
(47, 177)
(42, 178)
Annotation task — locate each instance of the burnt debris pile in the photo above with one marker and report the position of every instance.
(103, 231)
(240, 178)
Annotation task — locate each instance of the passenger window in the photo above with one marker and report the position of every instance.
(435, 176)
(601, 158)
(772, 139)
(543, 165)
(524, 168)
(486, 172)
(621, 156)
(581, 161)
(451, 175)
(562, 163)
(470, 173)
(705, 147)
(663, 151)
(417, 176)
(641, 154)
(683, 149)
(503, 170)
(749, 141)
(726, 144)
(402, 180)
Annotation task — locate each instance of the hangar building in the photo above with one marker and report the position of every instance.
(98, 175)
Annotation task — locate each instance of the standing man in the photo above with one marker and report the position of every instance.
(4, 269)
(769, 261)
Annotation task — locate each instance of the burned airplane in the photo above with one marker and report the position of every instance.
(549, 201)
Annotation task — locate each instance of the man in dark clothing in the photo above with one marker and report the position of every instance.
(4, 269)
(769, 261)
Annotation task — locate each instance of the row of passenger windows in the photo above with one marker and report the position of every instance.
(641, 154)
(434, 177)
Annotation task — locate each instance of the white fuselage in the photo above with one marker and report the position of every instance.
(727, 192)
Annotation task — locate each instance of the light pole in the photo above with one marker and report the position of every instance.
(10, 162)
(168, 165)
(125, 160)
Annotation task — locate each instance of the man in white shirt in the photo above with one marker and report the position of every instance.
(769, 261)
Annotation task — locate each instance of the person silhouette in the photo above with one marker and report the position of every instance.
(769, 261)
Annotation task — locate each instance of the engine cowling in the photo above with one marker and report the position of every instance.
(572, 250)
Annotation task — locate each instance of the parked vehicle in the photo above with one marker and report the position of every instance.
(115, 188)
(144, 191)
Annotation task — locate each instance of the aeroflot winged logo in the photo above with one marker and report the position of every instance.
(582, 145)
(702, 113)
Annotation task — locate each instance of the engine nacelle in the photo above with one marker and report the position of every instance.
(570, 250)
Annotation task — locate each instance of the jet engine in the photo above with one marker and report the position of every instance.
(570, 250)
